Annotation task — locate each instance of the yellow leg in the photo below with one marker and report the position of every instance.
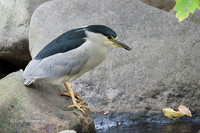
(75, 104)
(68, 94)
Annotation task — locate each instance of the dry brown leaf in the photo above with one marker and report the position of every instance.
(106, 112)
(184, 110)
(170, 113)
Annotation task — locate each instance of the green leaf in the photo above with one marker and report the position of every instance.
(183, 8)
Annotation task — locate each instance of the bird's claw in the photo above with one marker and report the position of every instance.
(78, 99)
(75, 98)
(76, 94)
(68, 94)
(79, 106)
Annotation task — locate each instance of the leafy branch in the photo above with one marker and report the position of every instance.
(183, 8)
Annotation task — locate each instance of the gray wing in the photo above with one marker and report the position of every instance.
(68, 63)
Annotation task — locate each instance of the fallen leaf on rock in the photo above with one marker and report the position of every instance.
(106, 112)
(184, 110)
(170, 113)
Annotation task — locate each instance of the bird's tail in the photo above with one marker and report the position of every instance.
(28, 82)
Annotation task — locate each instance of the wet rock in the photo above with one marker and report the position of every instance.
(113, 119)
(14, 27)
(38, 108)
(162, 70)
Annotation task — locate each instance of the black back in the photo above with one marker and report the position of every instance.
(71, 40)
(63, 43)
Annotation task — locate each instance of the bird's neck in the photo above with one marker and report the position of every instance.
(100, 51)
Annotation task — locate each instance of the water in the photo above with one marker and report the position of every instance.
(155, 128)
(145, 122)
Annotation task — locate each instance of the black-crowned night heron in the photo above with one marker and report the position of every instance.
(71, 55)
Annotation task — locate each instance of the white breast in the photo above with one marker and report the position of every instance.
(97, 53)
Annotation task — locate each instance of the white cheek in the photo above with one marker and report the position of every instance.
(109, 43)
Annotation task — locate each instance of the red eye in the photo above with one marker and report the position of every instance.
(109, 37)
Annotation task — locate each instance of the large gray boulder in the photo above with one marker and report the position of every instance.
(162, 70)
(195, 17)
(14, 26)
(38, 108)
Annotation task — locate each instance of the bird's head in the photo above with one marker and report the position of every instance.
(104, 35)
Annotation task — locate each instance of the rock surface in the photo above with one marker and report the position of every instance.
(166, 5)
(162, 70)
(117, 120)
(14, 27)
(39, 108)
(68, 131)
(195, 17)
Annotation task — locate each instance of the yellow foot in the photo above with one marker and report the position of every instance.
(75, 94)
(68, 94)
(79, 106)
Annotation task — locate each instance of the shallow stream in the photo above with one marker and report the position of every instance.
(155, 128)
(145, 123)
